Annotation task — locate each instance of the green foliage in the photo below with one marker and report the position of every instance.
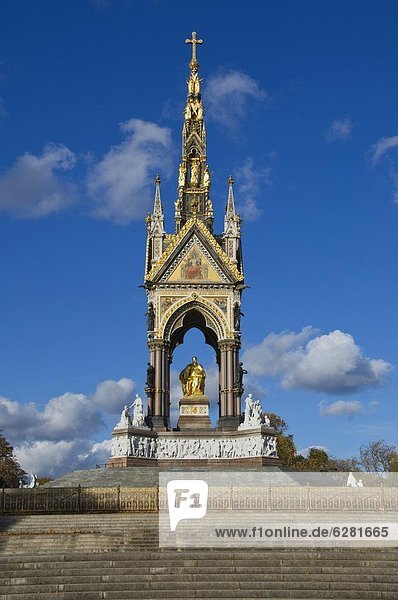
(277, 423)
(286, 450)
(394, 464)
(10, 471)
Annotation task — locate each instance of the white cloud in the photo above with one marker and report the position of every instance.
(99, 453)
(331, 363)
(66, 417)
(250, 181)
(70, 416)
(112, 395)
(340, 407)
(53, 458)
(382, 146)
(119, 185)
(59, 437)
(227, 96)
(271, 356)
(19, 419)
(47, 458)
(340, 129)
(378, 150)
(36, 186)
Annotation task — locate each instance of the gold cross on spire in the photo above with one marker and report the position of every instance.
(194, 41)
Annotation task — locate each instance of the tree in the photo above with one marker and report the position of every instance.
(278, 423)
(285, 444)
(10, 471)
(344, 464)
(394, 464)
(318, 460)
(378, 456)
(286, 450)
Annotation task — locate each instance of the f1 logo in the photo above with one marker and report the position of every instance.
(186, 499)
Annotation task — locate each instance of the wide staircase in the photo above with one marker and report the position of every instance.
(116, 556)
(149, 477)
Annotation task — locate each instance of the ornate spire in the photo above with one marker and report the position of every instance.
(193, 175)
(155, 228)
(157, 205)
(232, 223)
(230, 211)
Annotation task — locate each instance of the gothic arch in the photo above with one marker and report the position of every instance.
(200, 314)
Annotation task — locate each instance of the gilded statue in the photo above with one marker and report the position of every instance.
(194, 83)
(196, 109)
(206, 177)
(181, 175)
(194, 172)
(193, 379)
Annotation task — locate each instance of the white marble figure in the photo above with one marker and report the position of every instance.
(266, 420)
(256, 414)
(253, 416)
(138, 414)
(125, 420)
(351, 481)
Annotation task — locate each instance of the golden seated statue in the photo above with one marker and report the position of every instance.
(193, 379)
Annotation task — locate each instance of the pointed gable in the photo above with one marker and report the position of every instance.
(194, 264)
(194, 256)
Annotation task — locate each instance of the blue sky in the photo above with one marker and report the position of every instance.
(300, 102)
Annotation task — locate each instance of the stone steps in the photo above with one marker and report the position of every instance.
(203, 584)
(93, 557)
(318, 593)
(174, 575)
(148, 477)
(126, 571)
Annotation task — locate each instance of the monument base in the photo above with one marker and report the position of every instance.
(236, 463)
(228, 423)
(213, 448)
(194, 412)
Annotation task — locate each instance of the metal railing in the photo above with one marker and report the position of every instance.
(151, 499)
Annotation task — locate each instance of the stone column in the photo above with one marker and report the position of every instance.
(159, 408)
(230, 382)
(237, 390)
(223, 383)
(229, 410)
(166, 385)
(150, 388)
